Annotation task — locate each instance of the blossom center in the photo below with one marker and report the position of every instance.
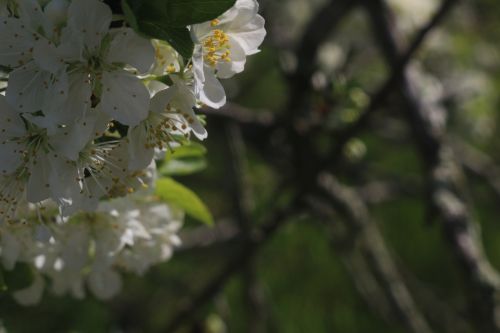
(217, 46)
(162, 127)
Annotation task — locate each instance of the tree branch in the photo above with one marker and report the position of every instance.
(399, 63)
(365, 234)
(249, 248)
(478, 163)
(446, 182)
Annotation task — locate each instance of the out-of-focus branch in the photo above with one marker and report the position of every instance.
(320, 27)
(317, 32)
(241, 189)
(364, 236)
(203, 237)
(345, 242)
(377, 192)
(248, 249)
(478, 163)
(399, 64)
(446, 182)
(243, 204)
(438, 311)
(227, 231)
(242, 115)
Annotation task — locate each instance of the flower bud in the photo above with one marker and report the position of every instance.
(56, 11)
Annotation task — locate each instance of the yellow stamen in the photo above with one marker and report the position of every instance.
(217, 47)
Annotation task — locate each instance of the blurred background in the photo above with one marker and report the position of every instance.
(354, 179)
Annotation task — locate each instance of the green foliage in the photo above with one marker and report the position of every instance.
(3, 285)
(177, 194)
(185, 160)
(19, 278)
(303, 279)
(168, 19)
(179, 38)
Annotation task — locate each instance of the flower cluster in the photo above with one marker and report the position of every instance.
(126, 234)
(88, 105)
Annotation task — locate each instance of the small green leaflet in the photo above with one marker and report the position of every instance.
(177, 194)
(184, 160)
(168, 19)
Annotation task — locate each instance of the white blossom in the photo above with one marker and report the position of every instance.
(95, 60)
(89, 107)
(171, 116)
(124, 235)
(222, 47)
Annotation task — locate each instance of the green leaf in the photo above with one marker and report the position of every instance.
(179, 13)
(19, 278)
(183, 167)
(177, 194)
(191, 149)
(179, 38)
(184, 160)
(129, 15)
(187, 12)
(168, 19)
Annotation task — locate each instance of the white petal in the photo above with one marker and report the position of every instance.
(33, 17)
(90, 18)
(240, 14)
(79, 95)
(11, 250)
(162, 98)
(72, 139)
(80, 202)
(102, 121)
(75, 106)
(196, 126)
(16, 42)
(29, 86)
(213, 93)
(38, 187)
(124, 97)
(185, 101)
(250, 36)
(56, 92)
(63, 182)
(56, 11)
(10, 157)
(72, 45)
(47, 56)
(155, 86)
(140, 156)
(226, 70)
(11, 124)
(129, 48)
(105, 284)
(198, 66)
(33, 294)
(200, 31)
